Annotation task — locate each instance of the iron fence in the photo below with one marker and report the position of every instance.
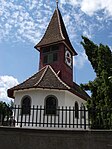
(64, 117)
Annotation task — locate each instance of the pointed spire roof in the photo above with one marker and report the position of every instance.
(56, 33)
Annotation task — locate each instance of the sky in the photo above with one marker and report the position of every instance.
(23, 23)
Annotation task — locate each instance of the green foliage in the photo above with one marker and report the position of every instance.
(100, 58)
(5, 111)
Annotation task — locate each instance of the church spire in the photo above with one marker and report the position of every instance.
(56, 33)
(57, 3)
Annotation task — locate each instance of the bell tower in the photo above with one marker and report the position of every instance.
(56, 49)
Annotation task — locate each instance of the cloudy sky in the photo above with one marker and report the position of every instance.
(23, 23)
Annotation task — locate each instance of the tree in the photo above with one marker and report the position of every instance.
(100, 103)
(5, 111)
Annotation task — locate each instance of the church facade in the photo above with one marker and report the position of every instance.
(52, 86)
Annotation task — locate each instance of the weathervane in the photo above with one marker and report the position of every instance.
(57, 3)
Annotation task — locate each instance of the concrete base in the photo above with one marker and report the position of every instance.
(17, 138)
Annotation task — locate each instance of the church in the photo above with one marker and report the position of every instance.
(52, 86)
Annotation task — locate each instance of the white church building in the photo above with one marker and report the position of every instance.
(50, 98)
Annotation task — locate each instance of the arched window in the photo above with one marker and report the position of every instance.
(26, 104)
(51, 104)
(76, 110)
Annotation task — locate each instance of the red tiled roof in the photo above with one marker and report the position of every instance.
(77, 90)
(45, 78)
(48, 79)
(56, 33)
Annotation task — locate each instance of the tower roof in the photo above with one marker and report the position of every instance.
(56, 33)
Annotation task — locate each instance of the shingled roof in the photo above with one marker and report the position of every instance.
(48, 79)
(56, 33)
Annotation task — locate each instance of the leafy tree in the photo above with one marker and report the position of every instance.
(5, 111)
(100, 103)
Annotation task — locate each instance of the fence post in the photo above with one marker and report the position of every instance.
(58, 116)
(36, 116)
(73, 116)
(81, 116)
(69, 117)
(62, 116)
(21, 117)
(84, 117)
(40, 116)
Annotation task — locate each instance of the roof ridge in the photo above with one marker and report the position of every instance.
(58, 77)
(57, 10)
(46, 67)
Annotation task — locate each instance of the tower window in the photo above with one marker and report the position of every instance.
(49, 58)
(46, 49)
(54, 47)
(45, 61)
(51, 104)
(50, 54)
(26, 104)
(55, 57)
(50, 49)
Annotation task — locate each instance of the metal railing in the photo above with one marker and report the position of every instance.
(63, 117)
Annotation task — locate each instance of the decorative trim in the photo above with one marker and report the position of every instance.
(58, 77)
(59, 24)
(42, 75)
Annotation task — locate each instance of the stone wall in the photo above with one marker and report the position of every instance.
(17, 138)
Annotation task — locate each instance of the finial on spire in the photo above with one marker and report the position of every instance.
(57, 3)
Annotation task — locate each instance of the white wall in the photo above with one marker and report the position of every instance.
(38, 96)
(65, 98)
(70, 99)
